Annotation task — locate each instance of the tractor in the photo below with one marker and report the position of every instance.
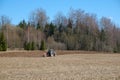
(50, 53)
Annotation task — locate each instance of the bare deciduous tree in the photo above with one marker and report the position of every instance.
(38, 16)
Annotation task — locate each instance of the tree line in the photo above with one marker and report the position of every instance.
(76, 31)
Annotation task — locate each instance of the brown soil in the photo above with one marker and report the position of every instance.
(39, 53)
(62, 67)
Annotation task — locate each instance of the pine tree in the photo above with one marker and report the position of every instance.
(27, 46)
(22, 24)
(102, 35)
(43, 46)
(32, 46)
(39, 27)
(3, 44)
(52, 29)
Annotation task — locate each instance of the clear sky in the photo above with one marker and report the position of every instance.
(18, 10)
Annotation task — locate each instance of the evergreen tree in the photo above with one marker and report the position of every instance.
(60, 28)
(46, 30)
(43, 45)
(117, 48)
(52, 29)
(3, 44)
(22, 24)
(102, 35)
(27, 46)
(32, 46)
(39, 27)
(49, 29)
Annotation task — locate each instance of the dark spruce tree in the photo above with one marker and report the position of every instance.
(32, 46)
(22, 24)
(43, 45)
(3, 44)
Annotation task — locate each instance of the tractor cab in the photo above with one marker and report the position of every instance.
(50, 53)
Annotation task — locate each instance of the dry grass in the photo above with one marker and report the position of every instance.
(62, 67)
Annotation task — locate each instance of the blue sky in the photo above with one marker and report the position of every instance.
(18, 10)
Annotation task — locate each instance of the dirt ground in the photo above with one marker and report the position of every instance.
(73, 65)
(22, 53)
